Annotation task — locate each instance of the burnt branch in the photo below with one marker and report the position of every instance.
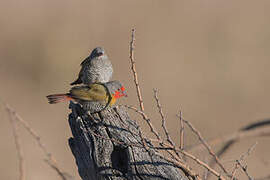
(107, 145)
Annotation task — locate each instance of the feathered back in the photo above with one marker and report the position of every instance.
(93, 92)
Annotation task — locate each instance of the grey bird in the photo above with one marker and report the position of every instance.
(96, 68)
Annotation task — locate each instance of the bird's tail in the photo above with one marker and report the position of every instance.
(56, 98)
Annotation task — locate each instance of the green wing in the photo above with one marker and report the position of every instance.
(93, 92)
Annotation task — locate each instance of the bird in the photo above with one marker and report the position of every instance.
(96, 68)
(94, 97)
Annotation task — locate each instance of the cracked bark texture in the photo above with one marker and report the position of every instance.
(102, 147)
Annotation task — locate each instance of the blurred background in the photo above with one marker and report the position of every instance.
(210, 58)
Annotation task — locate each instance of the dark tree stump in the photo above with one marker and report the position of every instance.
(107, 146)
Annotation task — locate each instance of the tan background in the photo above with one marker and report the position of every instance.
(208, 57)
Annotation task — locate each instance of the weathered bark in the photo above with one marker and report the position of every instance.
(107, 146)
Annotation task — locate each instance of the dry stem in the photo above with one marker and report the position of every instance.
(160, 141)
(244, 170)
(239, 135)
(238, 162)
(17, 144)
(162, 118)
(152, 129)
(181, 131)
(145, 117)
(133, 68)
(197, 160)
(49, 156)
(206, 146)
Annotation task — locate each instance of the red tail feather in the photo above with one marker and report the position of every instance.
(56, 98)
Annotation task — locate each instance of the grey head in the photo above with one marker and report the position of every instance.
(116, 88)
(97, 52)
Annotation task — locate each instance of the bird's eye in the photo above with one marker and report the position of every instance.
(99, 54)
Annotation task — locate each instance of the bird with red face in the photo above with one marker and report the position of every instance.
(94, 97)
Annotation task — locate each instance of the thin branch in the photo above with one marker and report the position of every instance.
(258, 128)
(245, 155)
(163, 124)
(238, 162)
(133, 68)
(18, 145)
(135, 76)
(36, 137)
(160, 141)
(262, 130)
(163, 121)
(197, 160)
(145, 117)
(181, 131)
(234, 171)
(152, 129)
(183, 166)
(31, 131)
(244, 170)
(206, 146)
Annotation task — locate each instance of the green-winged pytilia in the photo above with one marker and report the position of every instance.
(94, 97)
(95, 68)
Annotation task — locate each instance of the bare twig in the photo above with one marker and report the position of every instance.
(133, 68)
(163, 124)
(197, 160)
(152, 129)
(259, 128)
(244, 170)
(238, 162)
(160, 141)
(162, 118)
(36, 137)
(181, 131)
(206, 146)
(135, 77)
(145, 117)
(243, 156)
(18, 145)
(185, 167)
(263, 130)
(234, 171)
